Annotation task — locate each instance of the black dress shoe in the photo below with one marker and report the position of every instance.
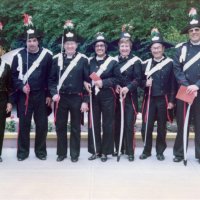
(104, 158)
(1, 159)
(94, 156)
(177, 159)
(160, 157)
(41, 157)
(131, 158)
(21, 158)
(74, 159)
(115, 154)
(144, 156)
(60, 158)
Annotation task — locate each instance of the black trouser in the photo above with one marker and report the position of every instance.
(3, 103)
(195, 113)
(37, 108)
(69, 103)
(157, 111)
(130, 109)
(103, 103)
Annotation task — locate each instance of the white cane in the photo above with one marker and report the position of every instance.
(92, 122)
(185, 130)
(122, 126)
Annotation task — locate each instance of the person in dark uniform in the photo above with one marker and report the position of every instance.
(103, 99)
(158, 83)
(5, 91)
(69, 71)
(30, 73)
(128, 75)
(187, 73)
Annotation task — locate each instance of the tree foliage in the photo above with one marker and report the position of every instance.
(92, 16)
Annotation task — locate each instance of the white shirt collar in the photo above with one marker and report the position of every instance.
(158, 60)
(195, 43)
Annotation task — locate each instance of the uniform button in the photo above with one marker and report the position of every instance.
(70, 75)
(70, 84)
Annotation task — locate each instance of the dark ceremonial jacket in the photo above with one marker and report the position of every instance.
(192, 74)
(38, 80)
(164, 82)
(131, 77)
(107, 76)
(5, 80)
(73, 84)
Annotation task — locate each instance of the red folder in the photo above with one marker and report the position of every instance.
(95, 77)
(182, 95)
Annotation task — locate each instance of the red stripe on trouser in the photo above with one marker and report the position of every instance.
(168, 117)
(143, 104)
(134, 141)
(56, 110)
(26, 103)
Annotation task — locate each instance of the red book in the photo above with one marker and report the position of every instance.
(94, 77)
(182, 95)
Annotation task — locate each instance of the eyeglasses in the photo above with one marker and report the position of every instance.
(99, 46)
(194, 30)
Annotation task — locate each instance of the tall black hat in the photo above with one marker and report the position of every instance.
(194, 21)
(99, 37)
(30, 30)
(156, 37)
(125, 34)
(69, 32)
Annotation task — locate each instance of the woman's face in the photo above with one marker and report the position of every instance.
(124, 49)
(100, 49)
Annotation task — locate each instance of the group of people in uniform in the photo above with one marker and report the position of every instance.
(105, 87)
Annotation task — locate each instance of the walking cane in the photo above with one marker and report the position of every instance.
(92, 121)
(148, 103)
(188, 98)
(122, 126)
(57, 102)
(185, 129)
(28, 23)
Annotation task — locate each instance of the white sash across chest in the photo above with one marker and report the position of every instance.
(129, 63)
(159, 66)
(72, 64)
(34, 66)
(2, 67)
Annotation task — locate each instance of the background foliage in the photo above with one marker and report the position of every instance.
(92, 16)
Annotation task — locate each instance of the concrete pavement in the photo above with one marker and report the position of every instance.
(34, 179)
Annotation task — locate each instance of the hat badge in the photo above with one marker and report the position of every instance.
(30, 31)
(155, 38)
(69, 34)
(100, 37)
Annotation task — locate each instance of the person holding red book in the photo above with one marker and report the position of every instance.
(187, 73)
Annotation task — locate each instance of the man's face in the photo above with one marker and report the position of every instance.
(194, 34)
(125, 49)
(32, 45)
(157, 50)
(100, 49)
(70, 47)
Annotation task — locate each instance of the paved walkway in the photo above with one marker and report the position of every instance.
(33, 179)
